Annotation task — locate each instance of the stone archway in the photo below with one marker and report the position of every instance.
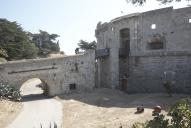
(33, 87)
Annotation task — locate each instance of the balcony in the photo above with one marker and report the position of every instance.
(124, 52)
(102, 53)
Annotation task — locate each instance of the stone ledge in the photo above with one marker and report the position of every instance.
(162, 53)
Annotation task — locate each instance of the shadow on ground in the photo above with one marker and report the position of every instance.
(34, 97)
(115, 98)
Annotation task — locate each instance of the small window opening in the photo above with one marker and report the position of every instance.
(153, 26)
(155, 46)
(125, 38)
(156, 42)
(189, 20)
(76, 67)
(72, 86)
(112, 29)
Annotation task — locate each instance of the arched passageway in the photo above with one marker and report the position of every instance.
(34, 88)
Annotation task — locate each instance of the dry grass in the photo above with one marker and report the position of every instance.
(105, 108)
(8, 111)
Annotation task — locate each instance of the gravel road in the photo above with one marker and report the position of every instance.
(37, 110)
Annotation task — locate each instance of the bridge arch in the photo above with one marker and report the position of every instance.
(58, 73)
(34, 86)
(46, 84)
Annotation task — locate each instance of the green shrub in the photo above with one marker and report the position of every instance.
(180, 114)
(3, 53)
(159, 121)
(9, 92)
(139, 125)
(2, 60)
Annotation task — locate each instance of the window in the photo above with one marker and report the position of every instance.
(112, 29)
(125, 38)
(153, 26)
(76, 67)
(189, 20)
(156, 42)
(72, 86)
(155, 46)
(124, 42)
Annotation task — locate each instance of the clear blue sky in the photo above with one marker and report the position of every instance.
(71, 19)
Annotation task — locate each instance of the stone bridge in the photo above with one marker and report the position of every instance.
(59, 74)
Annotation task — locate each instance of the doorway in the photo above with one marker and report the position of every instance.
(124, 51)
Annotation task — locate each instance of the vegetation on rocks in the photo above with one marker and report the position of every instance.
(3, 53)
(2, 60)
(9, 92)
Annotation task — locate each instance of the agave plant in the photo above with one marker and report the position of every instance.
(9, 92)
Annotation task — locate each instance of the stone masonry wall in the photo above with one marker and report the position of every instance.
(146, 65)
(146, 73)
(57, 73)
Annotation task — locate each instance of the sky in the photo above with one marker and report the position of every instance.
(73, 20)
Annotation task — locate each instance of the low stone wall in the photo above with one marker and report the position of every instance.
(62, 75)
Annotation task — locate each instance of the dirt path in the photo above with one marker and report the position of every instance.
(37, 111)
(8, 111)
(106, 108)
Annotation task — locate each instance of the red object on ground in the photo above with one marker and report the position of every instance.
(157, 109)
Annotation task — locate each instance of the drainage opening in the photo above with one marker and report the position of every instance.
(72, 86)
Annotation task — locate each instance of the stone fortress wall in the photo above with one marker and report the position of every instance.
(62, 75)
(136, 48)
(140, 47)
